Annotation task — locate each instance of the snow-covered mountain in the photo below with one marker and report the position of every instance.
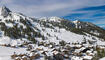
(17, 30)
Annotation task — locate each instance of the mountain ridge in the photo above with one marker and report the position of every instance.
(50, 38)
(18, 26)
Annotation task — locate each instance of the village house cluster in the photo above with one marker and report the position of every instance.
(62, 51)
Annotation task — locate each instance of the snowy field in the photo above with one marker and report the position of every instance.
(102, 58)
(6, 52)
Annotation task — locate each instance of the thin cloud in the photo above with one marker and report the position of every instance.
(42, 8)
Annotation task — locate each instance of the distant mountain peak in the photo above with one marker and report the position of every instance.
(4, 11)
(54, 19)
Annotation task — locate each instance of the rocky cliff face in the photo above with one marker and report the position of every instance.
(4, 11)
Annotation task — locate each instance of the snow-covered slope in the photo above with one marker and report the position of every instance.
(15, 26)
(18, 27)
(18, 30)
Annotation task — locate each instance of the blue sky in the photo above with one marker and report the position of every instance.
(84, 10)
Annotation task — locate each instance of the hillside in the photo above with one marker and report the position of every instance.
(49, 38)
